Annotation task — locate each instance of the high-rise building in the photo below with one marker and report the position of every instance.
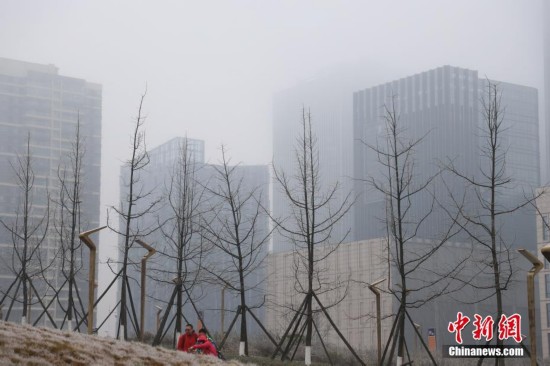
(543, 202)
(42, 106)
(156, 179)
(546, 107)
(443, 107)
(219, 299)
(543, 239)
(329, 99)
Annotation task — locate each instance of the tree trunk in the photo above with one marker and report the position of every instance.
(243, 346)
(309, 310)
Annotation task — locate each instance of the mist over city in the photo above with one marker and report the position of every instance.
(317, 182)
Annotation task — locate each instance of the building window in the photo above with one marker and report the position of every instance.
(547, 285)
(546, 227)
(548, 317)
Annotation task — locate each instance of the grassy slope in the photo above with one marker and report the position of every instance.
(26, 345)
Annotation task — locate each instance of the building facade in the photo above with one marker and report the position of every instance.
(216, 303)
(546, 104)
(442, 109)
(543, 239)
(42, 107)
(350, 268)
(353, 266)
(328, 98)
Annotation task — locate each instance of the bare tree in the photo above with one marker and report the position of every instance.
(28, 230)
(135, 205)
(315, 212)
(181, 257)
(405, 193)
(67, 223)
(491, 203)
(237, 234)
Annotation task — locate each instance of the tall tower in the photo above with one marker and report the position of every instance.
(329, 99)
(38, 103)
(440, 107)
(443, 108)
(546, 41)
(156, 179)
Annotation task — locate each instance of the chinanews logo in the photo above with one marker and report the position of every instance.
(507, 328)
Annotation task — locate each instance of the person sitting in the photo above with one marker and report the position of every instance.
(204, 344)
(187, 339)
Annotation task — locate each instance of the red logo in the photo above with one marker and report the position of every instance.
(484, 327)
(457, 326)
(508, 327)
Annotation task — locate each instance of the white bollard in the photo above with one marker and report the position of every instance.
(24, 320)
(121, 332)
(241, 348)
(308, 355)
(178, 334)
(70, 325)
(399, 361)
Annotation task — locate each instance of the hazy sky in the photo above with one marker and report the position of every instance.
(211, 67)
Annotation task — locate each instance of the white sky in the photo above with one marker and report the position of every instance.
(212, 67)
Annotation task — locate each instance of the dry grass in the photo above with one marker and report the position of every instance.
(27, 345)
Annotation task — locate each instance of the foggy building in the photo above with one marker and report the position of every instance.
(357, 262)
(156, 178)
(218, 298)
(329, 99)
(353, 266)
(546, 40)
(543, 202)
(543, 239)
(164, 157)
(443, 107)
(37, 102)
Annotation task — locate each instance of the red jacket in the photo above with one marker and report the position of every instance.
(185, 341)
(207, 348)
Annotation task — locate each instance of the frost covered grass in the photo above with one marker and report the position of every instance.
(27, 345)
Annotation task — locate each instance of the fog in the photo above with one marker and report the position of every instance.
(211, 67)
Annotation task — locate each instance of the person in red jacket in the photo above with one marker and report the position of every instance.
(187, 339)
(204, 345)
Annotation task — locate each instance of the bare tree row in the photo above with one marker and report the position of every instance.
(208, 227)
